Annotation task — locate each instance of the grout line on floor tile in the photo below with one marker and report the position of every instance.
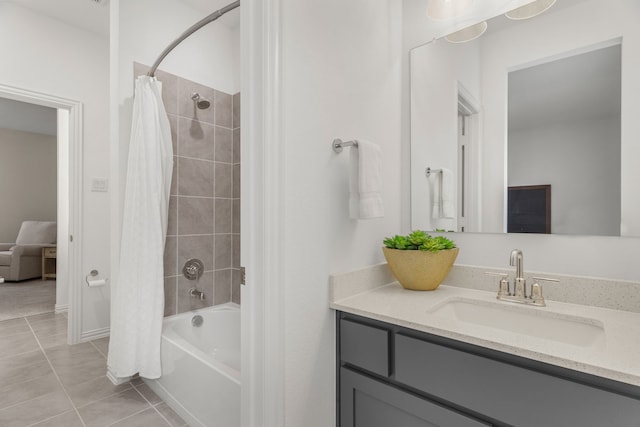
(27, 401)
(106, 396)
(23, 401)
(165, 418)
(20, 354)
(53, 313)
(161, 415)
(151, 404)
(57, 377)
(99, 351)
(47, 419)
(34, 314)
(39, 322)
(4, 328)
(129, 416)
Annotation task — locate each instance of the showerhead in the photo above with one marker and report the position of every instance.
(201, 103)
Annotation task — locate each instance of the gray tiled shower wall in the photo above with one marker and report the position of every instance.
(204, 209)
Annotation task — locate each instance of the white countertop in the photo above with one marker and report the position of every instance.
(617, 357)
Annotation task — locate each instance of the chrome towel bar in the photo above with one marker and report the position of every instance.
(338, 144)
(429, 171)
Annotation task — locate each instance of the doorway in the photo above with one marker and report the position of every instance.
(68, 209)
(469, 184)
(28, 230)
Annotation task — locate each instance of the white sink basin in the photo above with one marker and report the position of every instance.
(523, 320)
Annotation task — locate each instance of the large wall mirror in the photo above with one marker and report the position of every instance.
(532, 126)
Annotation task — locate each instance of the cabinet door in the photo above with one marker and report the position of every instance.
(502, 391)
(365, 402)
(364, 346)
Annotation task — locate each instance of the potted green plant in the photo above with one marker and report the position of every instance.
(419, 261)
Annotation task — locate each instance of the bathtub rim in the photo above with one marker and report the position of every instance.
(172, 337)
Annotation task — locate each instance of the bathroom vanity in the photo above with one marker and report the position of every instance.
(405, 359)
(395, 376)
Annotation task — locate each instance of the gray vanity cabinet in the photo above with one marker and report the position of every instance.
(369, 399)
(366, 402)
(391, 376)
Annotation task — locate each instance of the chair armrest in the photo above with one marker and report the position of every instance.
(6, 246)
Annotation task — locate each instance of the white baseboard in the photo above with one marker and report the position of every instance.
(94, 334)
(61, 308)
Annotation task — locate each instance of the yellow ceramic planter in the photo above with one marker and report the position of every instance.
(420, 270)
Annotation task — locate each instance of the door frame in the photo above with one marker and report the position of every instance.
(470, 109)
(262, 213)
(69, 210)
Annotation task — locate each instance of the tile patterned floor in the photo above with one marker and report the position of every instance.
(46, 383)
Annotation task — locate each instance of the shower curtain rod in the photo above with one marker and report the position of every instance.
(192, 29)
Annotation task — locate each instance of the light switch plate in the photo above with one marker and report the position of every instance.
(100, 184)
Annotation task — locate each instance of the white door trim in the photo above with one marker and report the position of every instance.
(262, 181)
(69, 197)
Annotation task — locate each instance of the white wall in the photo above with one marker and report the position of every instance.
(340, 67)
(210, 56)
(27, 180)
(45, 55)
(582, 171)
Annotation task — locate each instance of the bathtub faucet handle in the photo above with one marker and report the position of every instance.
(196, 293)
(193, 269)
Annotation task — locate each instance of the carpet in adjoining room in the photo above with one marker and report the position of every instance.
(19, 299)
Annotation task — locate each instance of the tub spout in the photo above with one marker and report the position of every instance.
(196, 293)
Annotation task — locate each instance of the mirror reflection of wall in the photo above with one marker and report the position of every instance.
(441, 71)
(564, 131)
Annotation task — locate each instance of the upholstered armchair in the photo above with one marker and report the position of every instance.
(23, 259)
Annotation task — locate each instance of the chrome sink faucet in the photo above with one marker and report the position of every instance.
(519, 294)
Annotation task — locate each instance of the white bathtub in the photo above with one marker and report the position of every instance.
(201, 366)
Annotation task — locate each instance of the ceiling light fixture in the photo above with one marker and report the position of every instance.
(440, 10)
(467, 34)
(530, 10)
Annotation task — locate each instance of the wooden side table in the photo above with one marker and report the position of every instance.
(49, 263)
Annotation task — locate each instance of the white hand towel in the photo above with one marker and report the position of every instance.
(365, 200)
(448, 194)
(443, 196)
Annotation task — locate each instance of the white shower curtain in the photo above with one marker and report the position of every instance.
(137, 305)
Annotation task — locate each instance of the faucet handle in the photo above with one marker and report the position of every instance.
(545, 279)
(503, 290)
(536, 290)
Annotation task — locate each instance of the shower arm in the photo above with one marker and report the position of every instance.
(192, 29)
